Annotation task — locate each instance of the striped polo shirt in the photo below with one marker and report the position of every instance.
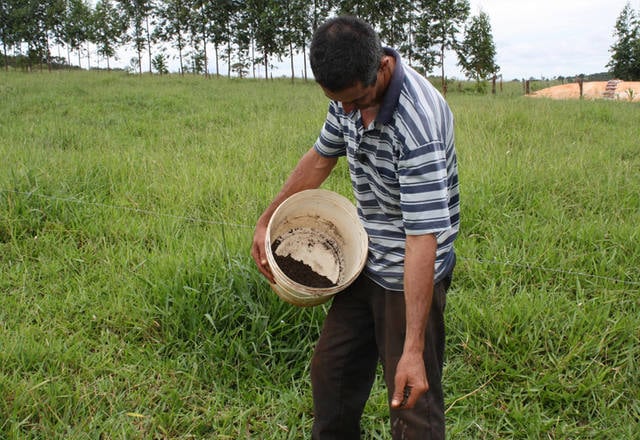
(403, 170)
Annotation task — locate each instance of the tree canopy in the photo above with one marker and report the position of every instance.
(477, 55)
(244, 33)
(625, 52)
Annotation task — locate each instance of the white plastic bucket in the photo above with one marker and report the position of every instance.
(321, 229)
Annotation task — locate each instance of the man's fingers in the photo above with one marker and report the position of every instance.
(400, 396)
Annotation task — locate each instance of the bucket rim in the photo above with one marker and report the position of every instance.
(295, 292)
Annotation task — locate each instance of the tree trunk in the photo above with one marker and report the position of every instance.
(304, 58)
(253, 57)
(149, 44)
(444, 81)
(215, 51)
(48, 54)
(229, 59)
(266, 65)
(206, 61)
(293, 73)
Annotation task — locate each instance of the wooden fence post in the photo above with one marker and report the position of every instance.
(581, 84)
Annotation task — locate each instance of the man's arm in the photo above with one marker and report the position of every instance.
(309, 173)
(420, 255)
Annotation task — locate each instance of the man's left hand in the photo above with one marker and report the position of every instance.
(410, 381)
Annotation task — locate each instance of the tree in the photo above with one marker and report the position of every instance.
(159, 63)
(9, 27)
(296, 31)
(109, 26)
(200, 22)
(53, 25)
(220, 15)
(477, 52)
(76, 27)
(437, 30)
(625, 58)
(395, 21)
(266, 20)
(174, 24)
(5, 29)
(137, 13)
(30, 26)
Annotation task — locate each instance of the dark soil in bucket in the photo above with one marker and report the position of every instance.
(301, 273)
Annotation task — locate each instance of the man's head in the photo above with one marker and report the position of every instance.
(345, 51)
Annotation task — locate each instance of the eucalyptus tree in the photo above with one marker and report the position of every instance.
(391, 18)
(242, 40)
(32, 29)
(423, 50)
(76, 29)
(109, 27)
(138, 14)
(477, 52)
(394, 21)
(12, 17)
(201, 24)
(318, 11)
(197, 33)
(54, 25)
(7, 37)
(219, 17)
(159, 63)
(174, 25)
(438, 27)
(406, 45)
(368, 10)
(295, 31)
(266, 20)
(625, 52)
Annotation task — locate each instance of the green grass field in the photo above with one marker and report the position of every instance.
(130, 307)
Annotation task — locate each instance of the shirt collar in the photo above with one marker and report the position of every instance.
(392, 95)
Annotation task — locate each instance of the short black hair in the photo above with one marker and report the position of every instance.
(345, 50)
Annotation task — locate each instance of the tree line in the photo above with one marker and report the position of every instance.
(243, 34)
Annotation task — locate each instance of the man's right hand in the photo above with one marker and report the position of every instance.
(311, 171)
(258, 252)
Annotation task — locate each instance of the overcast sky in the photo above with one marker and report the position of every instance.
(549, 37)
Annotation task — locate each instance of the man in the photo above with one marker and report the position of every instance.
(396, 131)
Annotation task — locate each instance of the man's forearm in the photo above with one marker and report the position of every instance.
(420, 257)
(309, 173)
(411, 377)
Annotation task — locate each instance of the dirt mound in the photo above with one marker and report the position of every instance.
(621, 90)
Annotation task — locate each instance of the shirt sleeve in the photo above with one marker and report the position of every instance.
(330, 142)
(423, 189)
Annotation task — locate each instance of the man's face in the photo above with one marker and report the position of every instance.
(355, 97)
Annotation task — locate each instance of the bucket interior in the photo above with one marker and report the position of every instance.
(320, 230)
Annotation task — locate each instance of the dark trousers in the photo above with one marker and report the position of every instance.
(366, 324)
